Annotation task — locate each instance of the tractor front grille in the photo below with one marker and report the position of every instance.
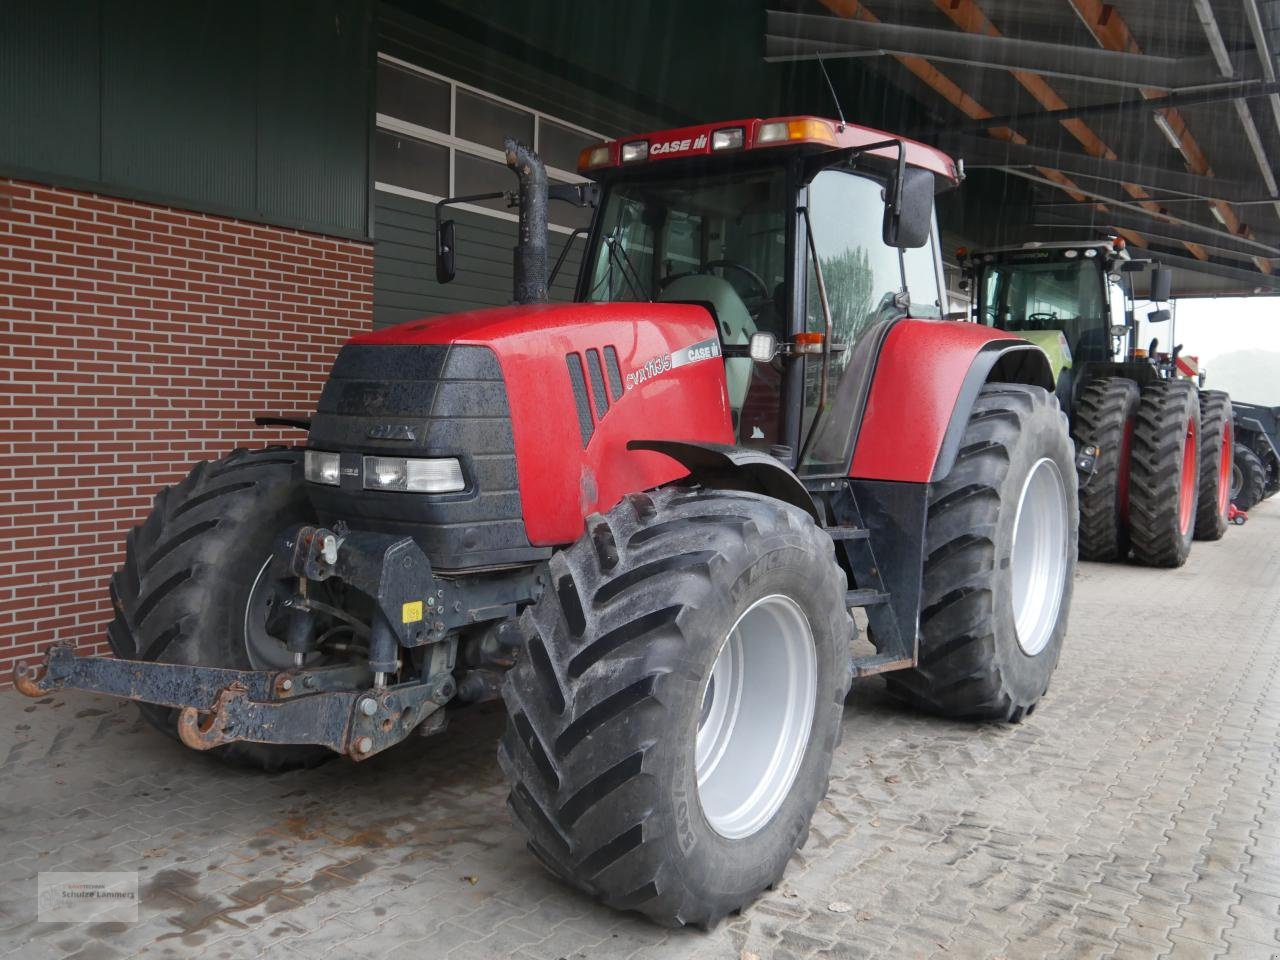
(426, 401)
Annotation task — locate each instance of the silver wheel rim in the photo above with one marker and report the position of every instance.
(1237, 480)
(1038, 565)
(757, 711)
(265, 652)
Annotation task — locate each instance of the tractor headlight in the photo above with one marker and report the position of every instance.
(321, 467)
(439, 475)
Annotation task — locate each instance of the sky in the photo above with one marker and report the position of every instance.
(1210, 328)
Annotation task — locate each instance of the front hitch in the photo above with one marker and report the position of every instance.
(328, 706)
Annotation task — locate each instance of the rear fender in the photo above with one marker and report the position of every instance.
(927, 377)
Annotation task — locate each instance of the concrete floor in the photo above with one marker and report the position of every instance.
(1136, 814)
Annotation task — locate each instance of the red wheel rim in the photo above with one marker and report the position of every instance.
(1190, 474)
(1224, 468)
(1122, 471)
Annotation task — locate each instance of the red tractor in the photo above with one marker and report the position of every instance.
(641, 519)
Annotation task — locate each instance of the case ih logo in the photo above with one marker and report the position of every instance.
(678, 146)
(656, 366)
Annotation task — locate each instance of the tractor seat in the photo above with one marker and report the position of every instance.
(733, 321)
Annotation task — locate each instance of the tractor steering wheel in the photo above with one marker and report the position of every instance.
(733, 265)
(1041, 321)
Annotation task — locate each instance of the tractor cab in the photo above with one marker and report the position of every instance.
(755, 220)
(1074, 300)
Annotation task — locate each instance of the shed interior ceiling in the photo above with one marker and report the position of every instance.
(1221, 241)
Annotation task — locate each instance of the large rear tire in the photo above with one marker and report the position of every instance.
(1217, 452)
(1000, 555)
(1104, 418)
(1164, 473)
(1249, 479)
(673, 718)
(191, 586)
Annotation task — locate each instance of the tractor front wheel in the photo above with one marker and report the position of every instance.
(1164, 473)
(1000, 555)
(193, 588)
(1217, 454)
(673, 717)
(1248, 479)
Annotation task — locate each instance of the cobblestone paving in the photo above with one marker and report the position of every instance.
(1135, 815)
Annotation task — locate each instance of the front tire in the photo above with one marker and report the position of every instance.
(1216, 464)
(1248, 479)
(1164, 473)
(1105, 418)
(189, 575)
(673, 719)
(1000, 555)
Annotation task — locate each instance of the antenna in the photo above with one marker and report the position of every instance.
(832, 87)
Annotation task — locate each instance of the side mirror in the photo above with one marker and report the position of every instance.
(444, 252)
(1119, 330)
(763, 347)
(1161, 284)
(1158, 316)
(908, 209)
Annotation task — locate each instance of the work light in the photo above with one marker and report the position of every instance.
(729, 138)
(636, 150)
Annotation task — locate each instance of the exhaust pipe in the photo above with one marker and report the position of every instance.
(529, 257)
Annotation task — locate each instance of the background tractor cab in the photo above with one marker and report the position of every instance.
(1074, 300)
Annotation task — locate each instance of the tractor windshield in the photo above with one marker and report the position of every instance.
(1068, 296)
(717, 237)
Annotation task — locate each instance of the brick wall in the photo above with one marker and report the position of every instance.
(134, 341)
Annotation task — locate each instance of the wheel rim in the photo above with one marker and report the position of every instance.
(1039, 560)
(1237, 480)
(1190, 476)
(757, 711)
(265, 652)
(1122, 471)
(1226, 470)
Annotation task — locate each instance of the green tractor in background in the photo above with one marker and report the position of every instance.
(1158, 448)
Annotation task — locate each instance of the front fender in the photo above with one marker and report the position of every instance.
(927, 377)
(726, 467)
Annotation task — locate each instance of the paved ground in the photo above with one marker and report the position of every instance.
(1136, 814)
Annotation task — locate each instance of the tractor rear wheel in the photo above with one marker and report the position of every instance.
(1000, 555)
(1164, 473)
(674, 713)
(1248, 479)
(193, 589)
(1216, 463)
(1104, 418)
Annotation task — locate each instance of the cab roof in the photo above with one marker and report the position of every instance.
(738, 136)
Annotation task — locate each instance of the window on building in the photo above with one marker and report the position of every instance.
(438, 138)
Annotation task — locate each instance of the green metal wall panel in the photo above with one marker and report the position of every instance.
(246, 108)
(49, 65)
(178, 90)
(314, 111)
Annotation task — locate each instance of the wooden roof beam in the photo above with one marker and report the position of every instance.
(950, 91)
(1110, 30)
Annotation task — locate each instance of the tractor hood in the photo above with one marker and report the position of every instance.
(579, 381)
